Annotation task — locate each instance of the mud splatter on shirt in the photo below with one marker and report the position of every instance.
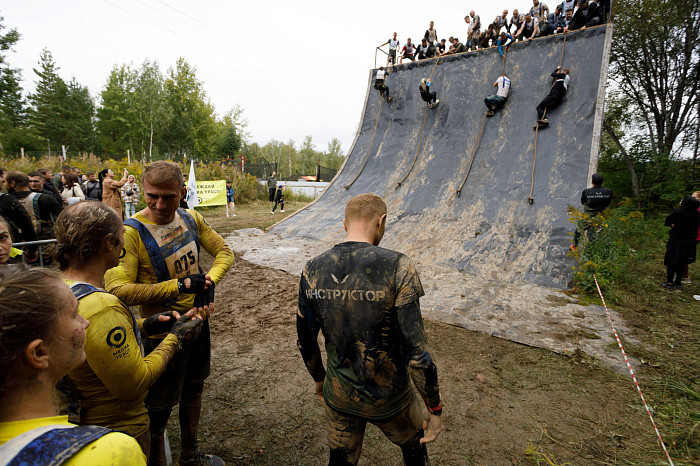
(365, 300)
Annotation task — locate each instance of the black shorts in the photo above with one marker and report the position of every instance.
(190, 364)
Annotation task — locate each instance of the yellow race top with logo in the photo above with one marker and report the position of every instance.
(114, 379)
(113, 449)
(135, 280)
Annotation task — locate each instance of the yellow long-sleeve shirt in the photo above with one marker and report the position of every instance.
(114, 449)
(114, 379)
(135, 280)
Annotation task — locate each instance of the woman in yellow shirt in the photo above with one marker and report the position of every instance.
(41, 339)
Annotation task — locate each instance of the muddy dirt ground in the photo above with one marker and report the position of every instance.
(505, 403)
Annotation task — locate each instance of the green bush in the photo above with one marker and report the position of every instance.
(604, 246)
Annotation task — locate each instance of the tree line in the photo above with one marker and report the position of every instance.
(151, 113)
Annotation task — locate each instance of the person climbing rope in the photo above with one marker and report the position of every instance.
(428, 95)
(380, 85)
(556, 94)
(499, 99)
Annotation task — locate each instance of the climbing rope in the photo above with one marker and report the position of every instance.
(476, 147)
(369, 151)
(420, 139)
(531, 199)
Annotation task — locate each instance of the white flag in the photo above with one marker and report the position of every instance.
(192, 199)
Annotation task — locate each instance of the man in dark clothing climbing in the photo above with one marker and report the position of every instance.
(365, 301)
(380, 84)
(556, 94)
(681, 245)
(428, 95)
(595, 200)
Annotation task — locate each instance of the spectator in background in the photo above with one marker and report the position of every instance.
(474, 30)
(393, 46)
(501, 22)
(230, 201)
(72, 193)
(595, 200)
(540, 12)
(515, 22)
(504, 40)
(529, 29)
(682, 238)
(272, 185)
(20, 223)
(130, 195)
(56, 178)
(111, 189)
(36, 182)
(556, 21)
(43, 339)
(92, 188)
(48, 184)
(408, 51)
(604, 8)
(279, 199)
(431, 34)
(5, 241)
(488, 38)
(587, 15)
(686, 277)
(41, 208)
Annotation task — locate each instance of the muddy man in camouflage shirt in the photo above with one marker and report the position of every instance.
(365, 300)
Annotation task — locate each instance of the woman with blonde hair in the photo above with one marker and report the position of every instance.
(130, 194)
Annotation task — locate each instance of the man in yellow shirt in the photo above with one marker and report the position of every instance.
(159, 271)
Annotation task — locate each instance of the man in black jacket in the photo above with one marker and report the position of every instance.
(556, 94)
(681, 245)
(587, 15)
(595, 200)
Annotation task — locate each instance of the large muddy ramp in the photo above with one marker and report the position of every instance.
(489, 259)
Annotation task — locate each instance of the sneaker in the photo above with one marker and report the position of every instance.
(668, 286)
(234, 215)
(282, 210)
(430, 105)
(686, 281)
(227, 216)
(200, 459)
(490, 113)
(389, 99)
(436, 102)
(272, 212)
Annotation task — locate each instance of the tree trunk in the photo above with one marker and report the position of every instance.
(630, 165)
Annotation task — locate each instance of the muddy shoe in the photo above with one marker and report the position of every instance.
(490, 113)
(200, 459)
(389, 99)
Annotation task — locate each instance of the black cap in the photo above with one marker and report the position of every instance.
(581, 2)
(597, 179)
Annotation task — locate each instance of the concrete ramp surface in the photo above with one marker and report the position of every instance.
(479, 254)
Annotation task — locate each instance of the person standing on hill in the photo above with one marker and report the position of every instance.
(111, 194)
(365, 300)
(682, 240)
(230, 202)
(595, 200)
(393, 47)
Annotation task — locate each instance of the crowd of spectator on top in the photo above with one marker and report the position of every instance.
(538, 21)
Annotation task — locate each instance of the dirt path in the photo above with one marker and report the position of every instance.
(505, 403)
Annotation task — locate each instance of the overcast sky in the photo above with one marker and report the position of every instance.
(297, 68)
